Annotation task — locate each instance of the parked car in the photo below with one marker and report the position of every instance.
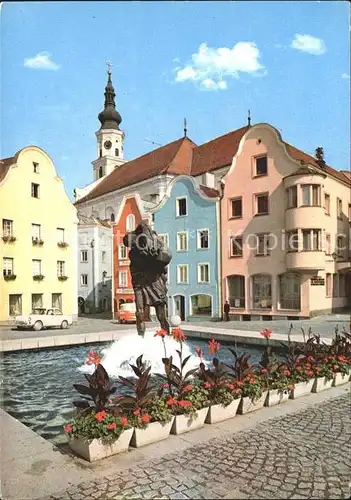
(44, 318)
(126, 313)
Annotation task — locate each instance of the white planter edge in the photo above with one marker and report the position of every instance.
(184, 423)
(219, 413)
(154, 432)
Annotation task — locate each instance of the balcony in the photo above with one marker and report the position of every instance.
(304, 217)
(305, 260)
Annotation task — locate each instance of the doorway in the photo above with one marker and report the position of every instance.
(179, 306)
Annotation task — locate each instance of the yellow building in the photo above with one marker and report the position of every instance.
(38, 245)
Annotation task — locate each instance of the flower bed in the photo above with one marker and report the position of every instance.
(105, 423)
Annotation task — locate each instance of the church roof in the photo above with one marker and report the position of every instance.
(5, 165)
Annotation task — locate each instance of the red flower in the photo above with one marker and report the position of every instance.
(342, 359)
(266, 333)
(100, 416)
(310, 358)
(199, 352)
(318, 369)
(124, 421)
(187, 388)
(286, 372)
(165, 386)
(112, 426)
(136, 412)
(235, 391)
(299, 368)
(178, 335)
(161, 333)
(171, 401)
(309, 373)
(145, 418)
(68, 428)
(184, 403)
(213, 346)
(264, 371)
(308, 366)
(251, 381)
(93, 359)
(240, 383)
(335, 368)
(207, 385)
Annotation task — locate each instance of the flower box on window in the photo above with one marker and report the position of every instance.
(10, 277)
(9, 239)
(62, 244)
(38, 277)
(37, 241)
(63, 278)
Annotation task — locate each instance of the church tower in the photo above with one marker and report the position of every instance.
(109, 137)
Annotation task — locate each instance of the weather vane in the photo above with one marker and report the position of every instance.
(108, 64)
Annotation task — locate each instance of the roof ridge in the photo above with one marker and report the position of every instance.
(223, 135)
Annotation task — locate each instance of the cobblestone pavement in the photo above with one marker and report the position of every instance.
(303, 455)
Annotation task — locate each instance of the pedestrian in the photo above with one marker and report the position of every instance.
(226, 310)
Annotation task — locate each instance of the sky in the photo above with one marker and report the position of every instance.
(288, 62)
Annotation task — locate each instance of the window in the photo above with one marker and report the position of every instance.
(182, 242)
(60, 235)
(181, 207)
(292, 241)
(164, 239)
(339, 207)
(349, 212)
(335, 285)
(36, 267)
(328, 285)
(203, 273)
(7, 227)
(340, 246)
(122, 252)
(56, 301)
(182, 273)
(201, 305)
(112, 217)
(236, 207)
(35, 190)
(291, 194)
(342, 285)
(236, 246)
(130, 223)
(7, 266)
(123, 278)
(116, 152)
(263, 247)
(236, 290)
(311, 194)
(36, 231)
(60, 268)
(203, 238)
(84, 280)
(327, 203)
(328, 247)
(290, 291)
(262, 291)
(101, 170)
(15, 305)
(35, 167)
(37, 301)
(84, 255)
(103, 256)
(311, 239)
(261, 204)
(261, 165)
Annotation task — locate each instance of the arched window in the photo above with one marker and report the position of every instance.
(290, 291)
(201, 305)
(101, 172)
(236, 290)
(261, 291)
(130, 223)
(116, 152)
(112, 217)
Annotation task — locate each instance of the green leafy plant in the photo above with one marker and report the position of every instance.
(10, 277)
(104, 425)
(38, 277)
(63, 278)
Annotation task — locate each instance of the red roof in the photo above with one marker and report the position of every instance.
(217, 153)
(5, 164)
(173, 158)
(210, 192)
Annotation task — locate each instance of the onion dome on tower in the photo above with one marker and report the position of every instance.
(109, 117)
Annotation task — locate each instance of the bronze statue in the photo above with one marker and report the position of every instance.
(149, 259)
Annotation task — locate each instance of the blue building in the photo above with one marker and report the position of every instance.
(187, 219)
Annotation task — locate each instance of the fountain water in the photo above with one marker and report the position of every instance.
(116, 358)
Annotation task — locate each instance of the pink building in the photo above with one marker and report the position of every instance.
(285, 219)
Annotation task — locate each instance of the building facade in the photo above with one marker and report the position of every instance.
(38, 247)
(285, 231)
(94, 265)
(128, 217)
(187, 220)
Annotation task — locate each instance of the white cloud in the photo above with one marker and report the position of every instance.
(308, 43)
(41, 61)
(346, 76)
(211, 67)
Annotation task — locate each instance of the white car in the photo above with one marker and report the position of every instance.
(44, 318)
